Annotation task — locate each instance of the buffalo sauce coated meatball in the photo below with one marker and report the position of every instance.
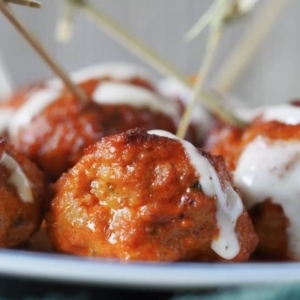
(23, 197)
(267, 173)
(52, 127)
(265, 163)
(10, 105)
(149, 196)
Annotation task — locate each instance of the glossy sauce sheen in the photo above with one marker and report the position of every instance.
(269, 169)
(17, 178)
(229, 204)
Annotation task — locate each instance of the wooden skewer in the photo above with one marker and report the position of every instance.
(31, 3)
(42, 52)
(242, 53)
(201, 24)
(136, 46)
(64, 27)
(153, 59)
(5, 82)
(201, 76)
(212, 45)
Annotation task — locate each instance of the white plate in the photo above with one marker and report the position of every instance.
(64, 268)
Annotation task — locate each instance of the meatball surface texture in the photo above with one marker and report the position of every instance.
(23, 199)
(137, 196)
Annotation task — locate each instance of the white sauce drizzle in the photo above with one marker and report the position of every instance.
(229, 204)
(37, 101)
(248, 114)
(122, 93)
(285, 113)
(105, 93)
(270, 169)
(115, 70)
(17, 178)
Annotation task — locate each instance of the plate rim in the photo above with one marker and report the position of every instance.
(175, 276)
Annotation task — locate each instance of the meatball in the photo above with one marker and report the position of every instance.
(9, 107)
(149, 196)
(53, 127)
(23, 197)
(270, 224)
(265, 162)
(266, 173)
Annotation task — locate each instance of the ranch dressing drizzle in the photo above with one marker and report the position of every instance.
(17, 178)
(37, 102)
(229, 204)
(105, 93)
(122, 93)
(285, 113)
(269, 169)
(117, 71)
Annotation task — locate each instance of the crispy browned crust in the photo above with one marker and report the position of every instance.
(272, 130)
(19, 219)
(135, 196)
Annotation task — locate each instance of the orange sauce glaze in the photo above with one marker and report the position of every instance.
(135, 196)
(55, 139)
(20, 219)
(268, 218)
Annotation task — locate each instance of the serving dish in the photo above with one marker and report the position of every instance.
(161, 276)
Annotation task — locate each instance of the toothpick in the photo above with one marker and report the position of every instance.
(240, 8)
(64, 27)
(242, 53)
(201, 24)
(217, 27)
(151, 57)
(201, 76)
(38, 47)
(129, 41)
(5, 82)
(30, 3)
(234, 10)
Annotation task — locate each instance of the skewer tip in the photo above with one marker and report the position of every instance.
(30, 3)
